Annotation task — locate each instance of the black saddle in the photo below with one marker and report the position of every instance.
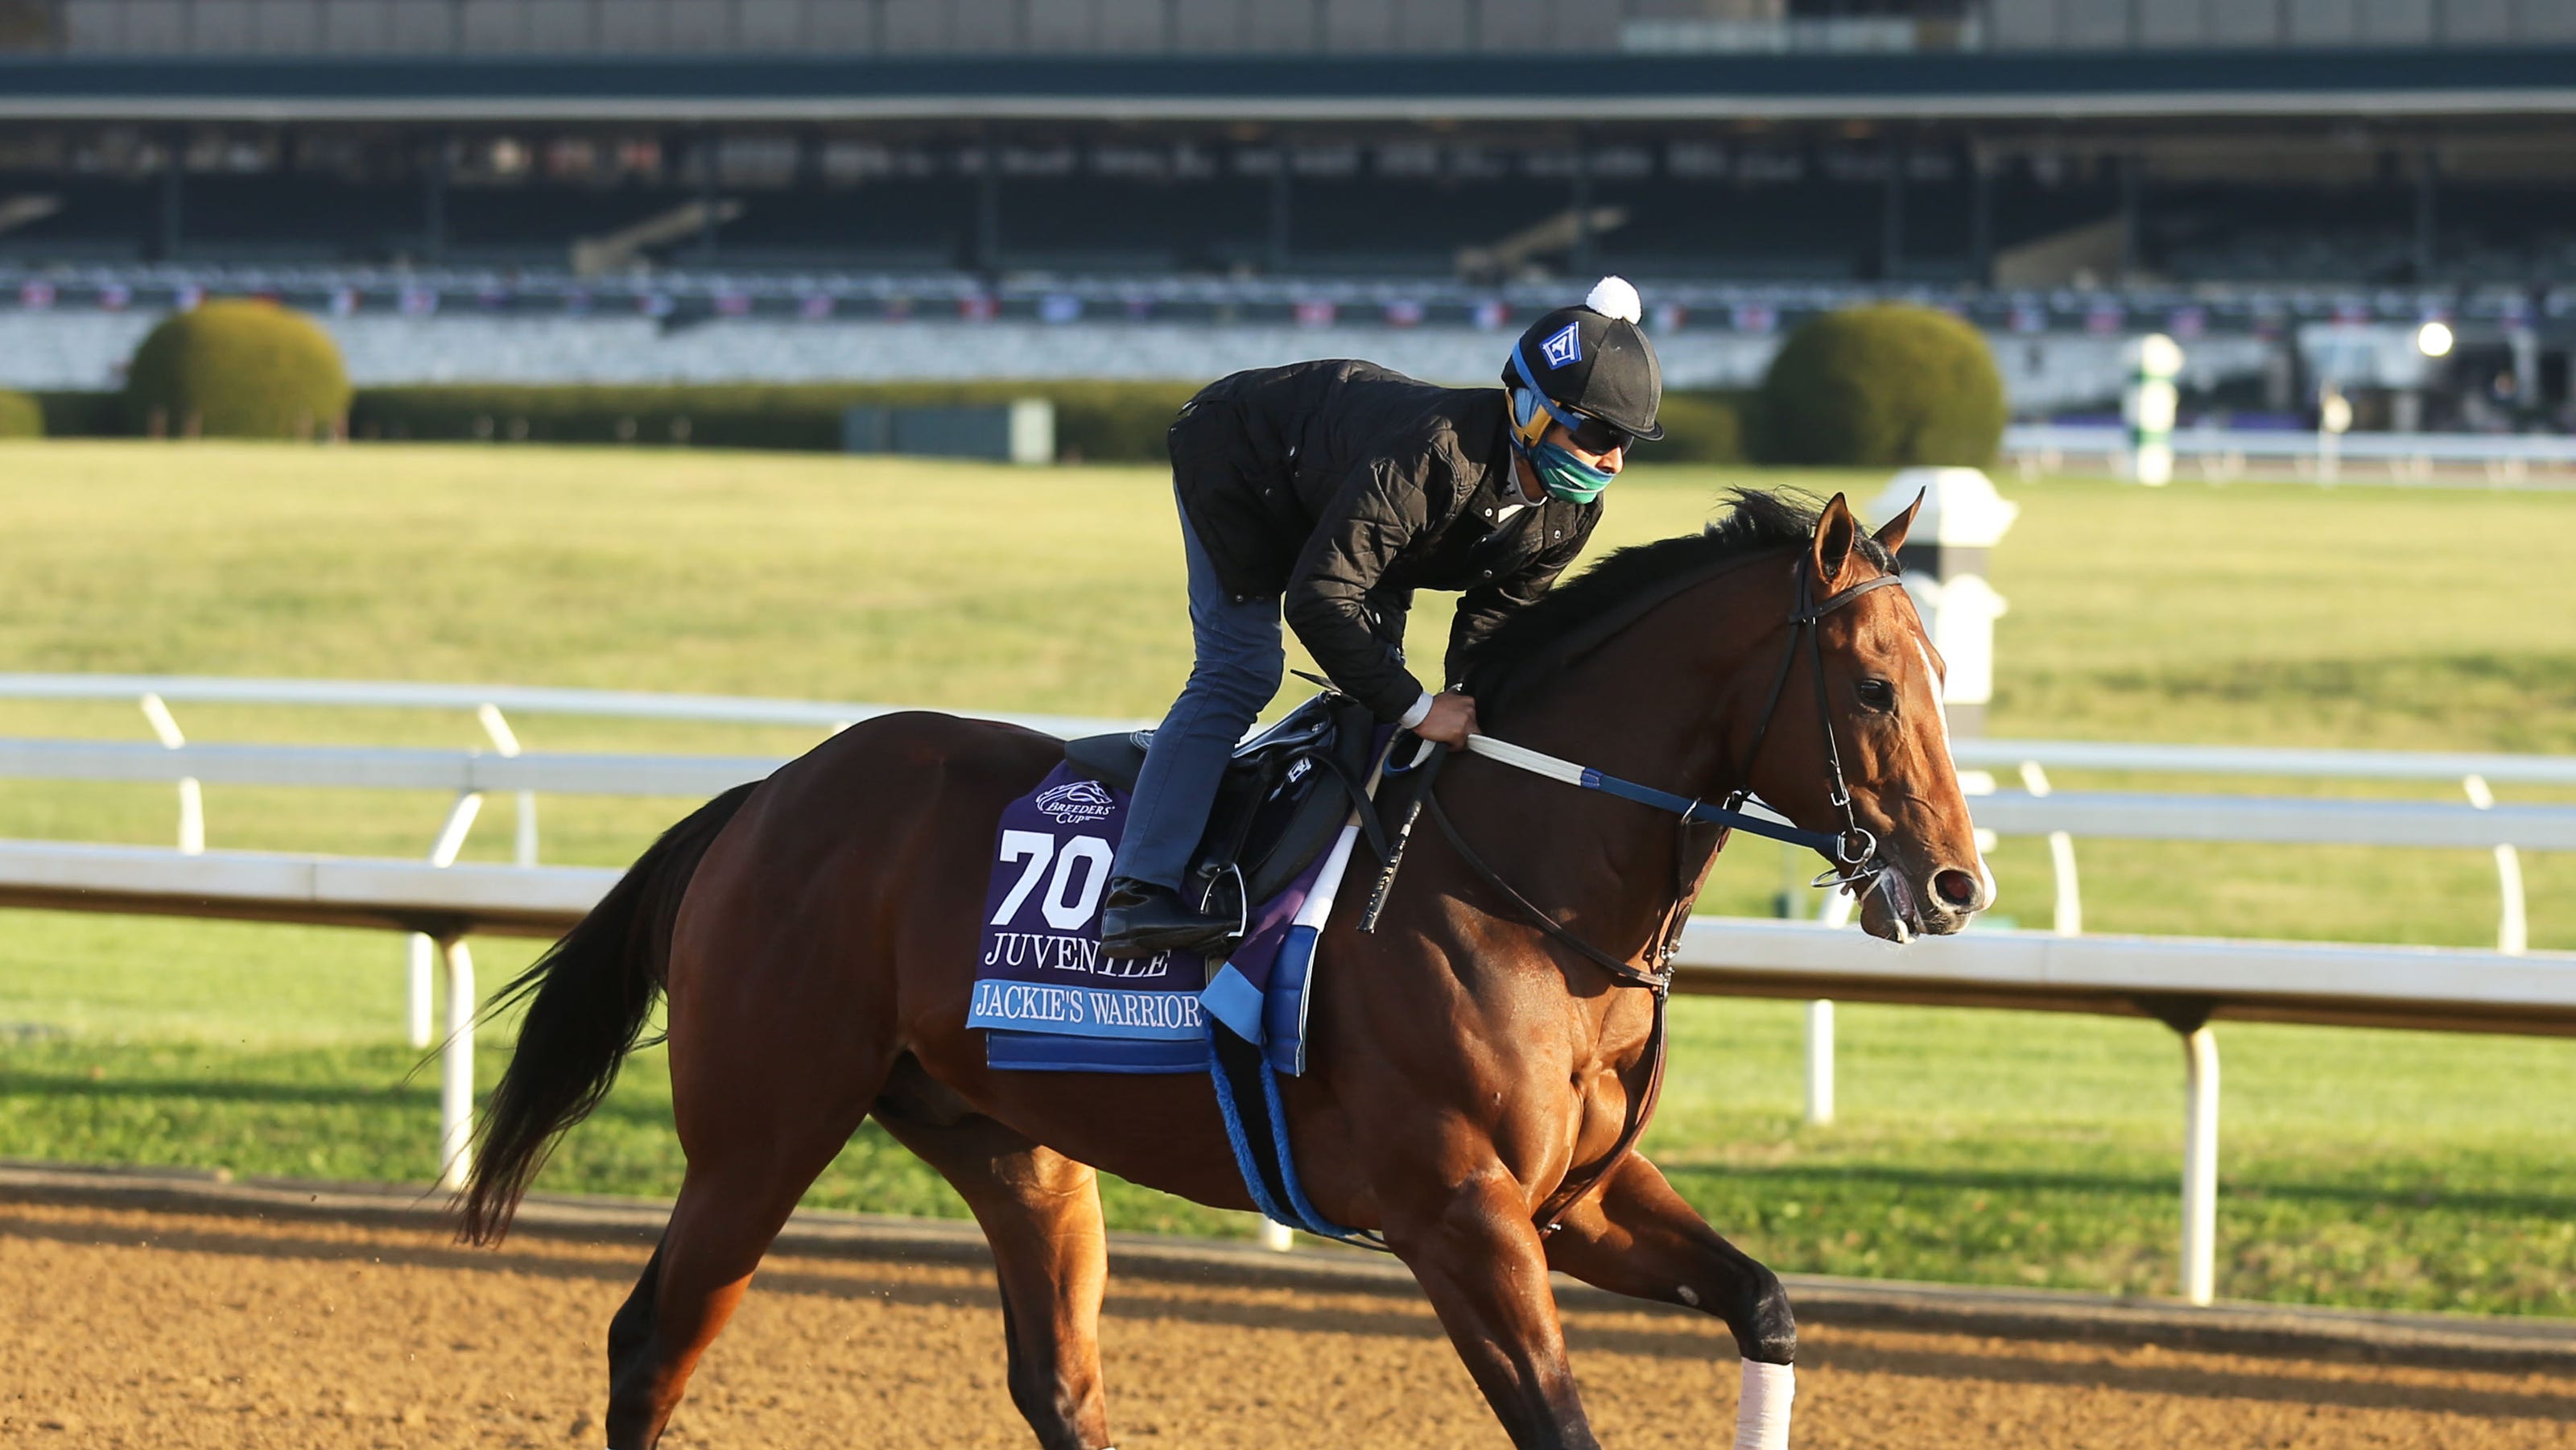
(1286, 796)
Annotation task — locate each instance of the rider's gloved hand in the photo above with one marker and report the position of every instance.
(1451, 721)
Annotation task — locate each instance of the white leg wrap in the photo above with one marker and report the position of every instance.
(1762, 1416)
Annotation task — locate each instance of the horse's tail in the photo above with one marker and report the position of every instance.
(587, 997)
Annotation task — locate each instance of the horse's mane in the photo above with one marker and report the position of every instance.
(1755, 521)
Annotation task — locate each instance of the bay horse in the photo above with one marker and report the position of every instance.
(816, 937)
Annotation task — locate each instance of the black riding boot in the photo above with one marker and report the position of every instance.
(1140, 919)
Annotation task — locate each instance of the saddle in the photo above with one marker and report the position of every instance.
(1284, 798)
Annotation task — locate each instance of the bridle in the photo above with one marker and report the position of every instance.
(1852, 849)
(1855, 849)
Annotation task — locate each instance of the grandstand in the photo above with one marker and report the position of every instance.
(2055, 167)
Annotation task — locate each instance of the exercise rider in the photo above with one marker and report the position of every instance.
(1329, 492)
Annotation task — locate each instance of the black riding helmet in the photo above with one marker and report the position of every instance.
(1593, 360)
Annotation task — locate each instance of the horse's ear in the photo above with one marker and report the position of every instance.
(1836, 532)
(1891, 535)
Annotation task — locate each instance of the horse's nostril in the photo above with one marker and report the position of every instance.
(1957, 889)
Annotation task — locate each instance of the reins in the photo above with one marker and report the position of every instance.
(1853, 850)
(1539, 762)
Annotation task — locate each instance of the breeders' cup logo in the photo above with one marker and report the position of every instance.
(1075, 801)
(1564, 347)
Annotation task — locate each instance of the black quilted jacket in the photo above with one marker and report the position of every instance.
(1345, 487)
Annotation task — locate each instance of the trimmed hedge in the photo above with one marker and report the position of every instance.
(83, 415)
(237, 368)
(1103, 422)
(1699, 428)
(1100, 422)
(1888, 385)
(21, 416)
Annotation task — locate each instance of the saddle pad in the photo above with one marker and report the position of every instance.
(1046, 997)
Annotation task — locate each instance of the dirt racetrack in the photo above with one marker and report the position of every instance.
(150, 1329)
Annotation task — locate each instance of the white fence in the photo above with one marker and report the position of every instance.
(2183, 982)
(2490, 459)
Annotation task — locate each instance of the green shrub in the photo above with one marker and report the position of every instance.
(237, 368)
(1114, 422)
(83, 414)
(1887, 385)
(1100, 422)
(1699, 428)
(20, 416)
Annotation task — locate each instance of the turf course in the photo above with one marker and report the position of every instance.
(2366, 1168)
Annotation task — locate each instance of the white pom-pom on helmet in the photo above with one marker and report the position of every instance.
(1613, 297)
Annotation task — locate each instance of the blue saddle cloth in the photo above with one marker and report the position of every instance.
(1049, 1001)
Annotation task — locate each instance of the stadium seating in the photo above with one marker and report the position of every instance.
(1816, 225)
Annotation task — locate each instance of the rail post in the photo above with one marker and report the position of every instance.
(2513, 921)
(451, 839)
(2147, 407)
(456, 1067)
(2068, 913)
(420, 993)
(2200, 1168)
(192, 796)
(2334, 419)
(1820, 1062)
(1836, 912)
(524, 845)
(2189, 1018)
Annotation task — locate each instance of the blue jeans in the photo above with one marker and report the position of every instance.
(1240, 660)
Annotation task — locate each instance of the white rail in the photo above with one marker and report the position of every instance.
(383, 768)
(2343, 984)
(2499, 459)
(516, 699)
(2476, 772)
(2426, 765)
(2277, 820)
(438, 902)
(411, 896)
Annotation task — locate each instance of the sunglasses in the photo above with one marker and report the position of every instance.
(1595, 436)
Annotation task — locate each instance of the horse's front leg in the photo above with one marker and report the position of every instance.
(1477, 1255)
(1636, 1237)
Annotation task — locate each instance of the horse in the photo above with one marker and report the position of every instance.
(1481, 1061)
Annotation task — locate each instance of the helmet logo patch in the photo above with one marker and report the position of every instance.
(1563, 347)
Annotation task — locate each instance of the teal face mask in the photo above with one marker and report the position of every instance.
(1565, 476)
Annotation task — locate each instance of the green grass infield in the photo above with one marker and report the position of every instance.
(2387, 1169)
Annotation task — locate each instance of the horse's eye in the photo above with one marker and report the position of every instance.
(1878, 694)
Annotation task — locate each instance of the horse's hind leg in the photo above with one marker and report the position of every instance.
(732, 1202)
(1637, 1237)
(1040, 1211)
